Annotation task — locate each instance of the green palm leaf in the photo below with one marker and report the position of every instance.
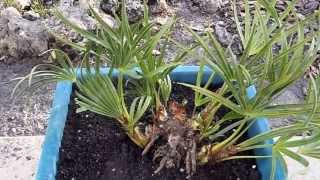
(98, 94)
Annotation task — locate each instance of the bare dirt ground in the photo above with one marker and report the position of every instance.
(27, 115)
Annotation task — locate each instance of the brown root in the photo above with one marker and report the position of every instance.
(149, 145)
(194, 157)
(209, 154)
(181, 141)
(225, 153)
(161, 165)
(180, 137)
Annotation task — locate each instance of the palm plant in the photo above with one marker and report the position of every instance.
(128, 52)
(271, 72)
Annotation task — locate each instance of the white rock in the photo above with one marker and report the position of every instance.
(208, 6)
(31, 15)
(109, 6)
(19, 37)
(23, 4)
(212, 6)
(108, 19)
(224, 37)
(10, 12)
(161, 20)
(135, 10)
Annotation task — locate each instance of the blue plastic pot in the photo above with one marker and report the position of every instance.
(50, 150)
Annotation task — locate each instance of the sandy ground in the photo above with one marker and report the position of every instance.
(19, 157)
(298, 172)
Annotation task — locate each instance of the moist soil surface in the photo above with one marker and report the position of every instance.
(94, 147)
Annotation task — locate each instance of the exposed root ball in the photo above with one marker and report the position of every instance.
(181, 144)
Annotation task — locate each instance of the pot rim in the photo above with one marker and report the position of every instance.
(47, 166)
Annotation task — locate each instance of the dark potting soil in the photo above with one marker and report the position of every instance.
(94, 147)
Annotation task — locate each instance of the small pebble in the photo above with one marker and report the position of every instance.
(31, 16)
(13, 130)
(305, 91)
(156, 52)
(17, 149)
(113, 169)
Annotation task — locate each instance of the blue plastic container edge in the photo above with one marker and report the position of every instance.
(259, 126)
(50, 149)
(52, 141)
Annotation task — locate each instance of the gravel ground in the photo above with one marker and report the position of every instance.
(27, 115)
(19, 157)
(294, 94)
